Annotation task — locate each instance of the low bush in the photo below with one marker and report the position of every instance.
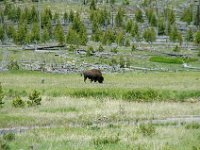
(9, 136)
(18, 102)
(34, 99)
(147, 129)
(193, 125)
(139, 95)
(106, 140)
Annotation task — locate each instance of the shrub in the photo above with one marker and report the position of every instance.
(121, 61)
(106, 140)
(145, 95)
(100, 49)
(34, 99)
(147, 129)
(1, 95)
(9, 136)
(193, 125)
(176, 49)
(13, 65)
(114, 50)
(18, 102)
(133, 48)
(89, 51)
(4, 145)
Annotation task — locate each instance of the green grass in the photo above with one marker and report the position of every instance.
(127, 86)
(80, 115)
(177, 60)
(107, 138)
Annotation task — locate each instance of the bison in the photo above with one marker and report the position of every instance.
(93, 75)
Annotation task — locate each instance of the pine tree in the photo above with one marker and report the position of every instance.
(34, 98)
(93, 5)
(59, 33)
(119, 17)
(2, 33)
(138, 15)
(36, 32)
(1, 95)
(129, 26)
(189, 35)
(161, 27)
(187, 15)
(120, 38)
(73, 37)
(10, 31)
(149, 35)
(197, 38)
(45, 35)
(65, 17)
(21, 33)
(173, 36)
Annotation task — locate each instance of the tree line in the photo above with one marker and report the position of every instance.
(107, 24)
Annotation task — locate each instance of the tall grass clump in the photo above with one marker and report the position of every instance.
(102, 140)
(1, 95)
(97, 93)
(147, 129)
(142, 94)
(18, 102)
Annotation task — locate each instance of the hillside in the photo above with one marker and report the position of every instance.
(69, 36)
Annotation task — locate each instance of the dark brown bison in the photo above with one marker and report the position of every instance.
(93, 75)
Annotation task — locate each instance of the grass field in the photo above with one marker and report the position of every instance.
(68, 118)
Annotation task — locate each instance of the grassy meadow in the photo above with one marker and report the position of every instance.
(117, 114)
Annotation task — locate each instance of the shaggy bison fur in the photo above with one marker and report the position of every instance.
(93, 75)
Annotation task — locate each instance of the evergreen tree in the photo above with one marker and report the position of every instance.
(149, 35)
(180, 38)
(10, 31)
(129, 26)
(189, 35)
(71, 16)
(151, 17)
(171, 16)
(119, 17)
(34, 14)
(36, 32)
(28, 38)
(56, 17)
(173, 36)
(108, 37)
(139, 15)
(135, 30)
(1, 95)
(161, 27)
(59, 33)
(120, 38)
(93, 5)
(21, 33)
(197, 38)
(2, 33)
(45, 35)
(46, 17)
(73, 37)
(187, 15)
(65, 17)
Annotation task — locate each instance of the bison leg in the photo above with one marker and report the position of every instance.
(85, 79)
